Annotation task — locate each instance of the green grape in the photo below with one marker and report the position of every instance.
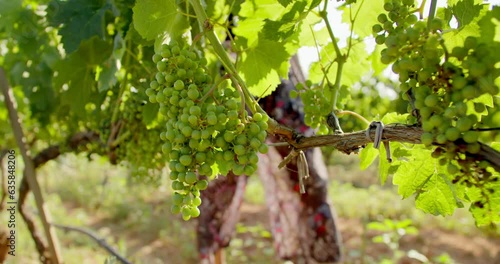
(471, 137)
(196, 201)
(469, 92)
(436, 120)
(177, 198)
(382, 18)
(461, 108)
(239, 150)
(157, 58)
(427, 138)
(477, 70)
(431, 100)
(412, 19)
(175, 209)
(190, 177)
(380, 39)
(375, 29)
(194, 212)
(185, 160)
(470, 43)
(479, 107)
(459, 52)
(201, 185)
(452, 134)
(436, 24)
(388, 6)
(464, 124)
(179, 85)
(452, 169)
(263, 148)
(229, 136)
(186, 216)
(212, 119)
(441, 138)
(473, 148)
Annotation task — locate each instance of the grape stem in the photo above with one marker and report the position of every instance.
(432, 12)
(356, 115)
(340, 58)
(242, 96)
(120, 139)
(214, 86)
(124, 85)
(421, 9)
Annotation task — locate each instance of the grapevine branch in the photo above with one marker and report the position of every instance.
(340, 58)
(353, 142)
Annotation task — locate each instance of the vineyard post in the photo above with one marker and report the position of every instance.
(29, 169)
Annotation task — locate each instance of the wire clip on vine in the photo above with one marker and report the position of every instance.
(379, 126)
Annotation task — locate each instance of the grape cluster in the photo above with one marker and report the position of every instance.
(207, 129)
(443, 86)
(314, 100)
(141, 148)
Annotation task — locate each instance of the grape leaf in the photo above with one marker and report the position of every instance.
(149, 113)
(421, 174)
(486, 99)
(263, 66)
(437, 196)
(107, 76)
(311, 37)
(356, 65)
(285, 3)
(9, 13)
(153, 18)
(77, 72)
(289, 23)
(367, 156)
(383, 164)
(365, 14)
(414, 172)
(465, 11)
(253, 14)
(490, 25)
(456, 37)
(485, 205)
(80, 20)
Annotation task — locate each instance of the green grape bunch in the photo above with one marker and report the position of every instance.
(314, 100)
(446, 87)
(207, 130)
(142, 151)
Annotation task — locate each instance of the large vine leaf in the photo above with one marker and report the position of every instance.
(77, 71)
(153, 18)
(80, 20)
(465, 10)
(422, 175)
(263, 66)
